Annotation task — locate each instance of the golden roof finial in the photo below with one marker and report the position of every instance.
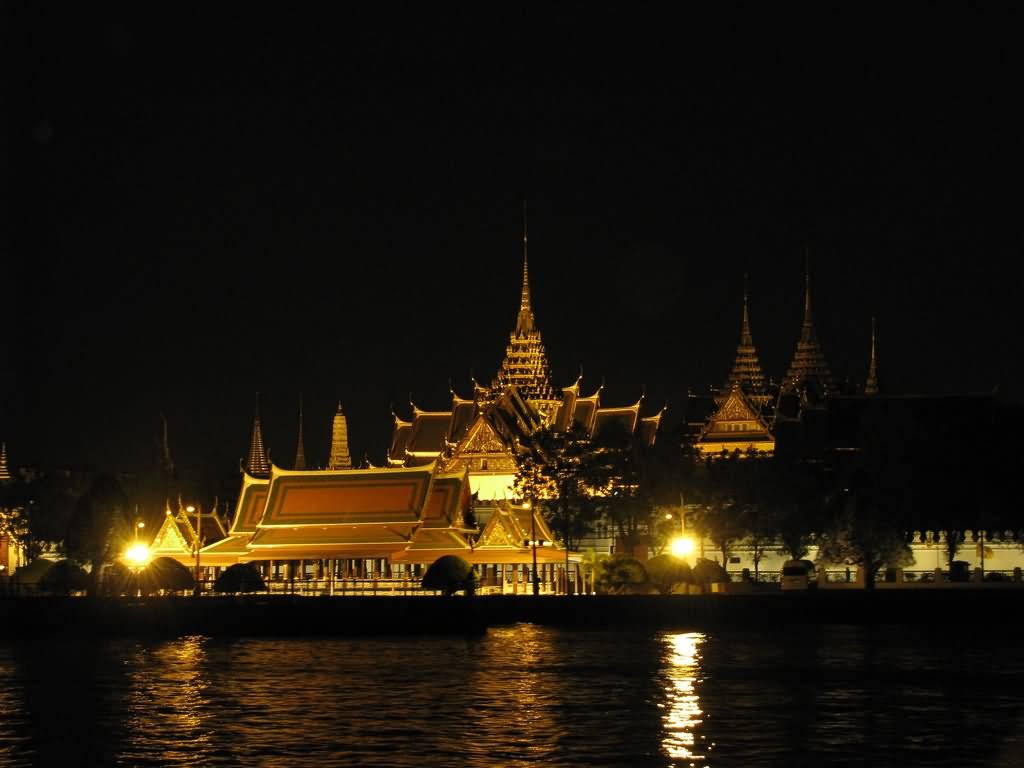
(524, 323)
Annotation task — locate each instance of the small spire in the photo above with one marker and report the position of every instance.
(524, 323)
(168, 463)
(300, 449)
(258, 464)
(871, 385)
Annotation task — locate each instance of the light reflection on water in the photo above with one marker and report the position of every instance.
(518, 696)
(683, 715)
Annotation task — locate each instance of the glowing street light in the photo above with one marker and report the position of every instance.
(137, 555)
(682, 546)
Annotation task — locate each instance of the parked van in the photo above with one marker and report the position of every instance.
(798, 574)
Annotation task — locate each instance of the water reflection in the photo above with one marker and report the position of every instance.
(169, 712)
(683, 714)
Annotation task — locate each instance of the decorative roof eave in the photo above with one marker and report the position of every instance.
(248, 483)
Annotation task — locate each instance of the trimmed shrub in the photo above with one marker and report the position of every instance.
(708, 572)
(240, 577)
(33, 572)
(64, 577)
(666, 571)
(450, 573)
(167, 573)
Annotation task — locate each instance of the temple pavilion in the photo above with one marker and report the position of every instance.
(446, 489)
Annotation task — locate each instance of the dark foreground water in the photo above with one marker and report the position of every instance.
(522, 695)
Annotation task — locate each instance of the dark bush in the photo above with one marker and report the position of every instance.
(450, 573)
(240, 577)
(666, 571)
(709, 572)
(63, 578)
(167, 573)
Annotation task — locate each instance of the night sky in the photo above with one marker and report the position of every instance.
(209, 200)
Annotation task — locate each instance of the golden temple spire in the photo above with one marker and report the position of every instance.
(746, 370)
(340, 458)
(524, 323)
(808, 362)
(5, 473)
(300, 449)
(258, 464)
(871, 385)
(526, 365)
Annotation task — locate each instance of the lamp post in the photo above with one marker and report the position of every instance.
(196, 590)
(533, 545)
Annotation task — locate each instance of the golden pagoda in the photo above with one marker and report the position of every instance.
(340, 458)
(257, 464)
(808, 365)
(746, 369)
(526, 364)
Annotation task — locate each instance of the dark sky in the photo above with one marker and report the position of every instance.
(206, 200)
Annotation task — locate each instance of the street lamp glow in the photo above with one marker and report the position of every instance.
(137, 555)
(682, 546)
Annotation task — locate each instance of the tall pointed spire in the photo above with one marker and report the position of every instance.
(167, 463)
(340, 458)
(808, 364)
(300, 449)
(5, 473)
(526, 365)
(258, 464)
(871, 385)
(524, 322)
(746, 370)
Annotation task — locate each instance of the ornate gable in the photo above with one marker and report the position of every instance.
(481, 450)
(169, 539)
(735, 425)
(501, 531)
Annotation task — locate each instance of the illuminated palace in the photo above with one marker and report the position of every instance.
(446, 489)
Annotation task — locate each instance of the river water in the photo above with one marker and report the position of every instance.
(520, 695)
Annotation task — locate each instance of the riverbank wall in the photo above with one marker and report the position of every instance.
(261, 615)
